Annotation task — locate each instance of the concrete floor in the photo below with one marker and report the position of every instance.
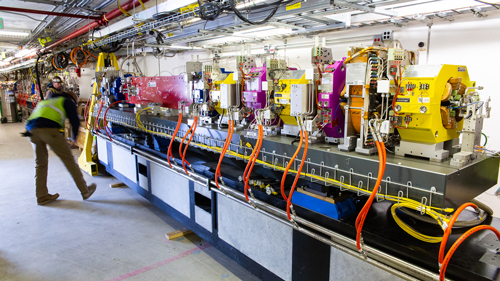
(115, 235)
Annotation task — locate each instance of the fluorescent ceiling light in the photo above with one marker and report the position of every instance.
(248, 4)
(8, 47)
(14, 33)
(264, 31)
(410, 9)
(24, 52)
(9, 59)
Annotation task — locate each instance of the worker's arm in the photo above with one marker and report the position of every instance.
(49, 93)
(72, 115)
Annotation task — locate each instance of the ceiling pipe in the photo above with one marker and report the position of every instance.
(102, 21)
(20, 10)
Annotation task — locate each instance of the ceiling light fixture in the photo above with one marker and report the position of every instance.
(14, 33)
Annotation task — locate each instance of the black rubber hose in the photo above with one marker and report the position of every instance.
(276, 7)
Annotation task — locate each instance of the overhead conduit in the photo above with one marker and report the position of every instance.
(103, 21)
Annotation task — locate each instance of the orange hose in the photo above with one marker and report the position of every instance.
(289, 165)
(74, 59)
(193, 129)
(169, 153)
(54, 63)
(459, 242)
(223, 152)
(253, 158)
(450, 226)
(289, 202)
(360, 220)
(89, 53)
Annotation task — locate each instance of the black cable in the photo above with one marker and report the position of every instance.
(237, 12)
(213, 9)
(296, 138)
(276, 5)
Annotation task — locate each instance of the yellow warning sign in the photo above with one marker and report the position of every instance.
(294, 6)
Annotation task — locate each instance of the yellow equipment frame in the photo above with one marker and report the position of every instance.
(85, 160)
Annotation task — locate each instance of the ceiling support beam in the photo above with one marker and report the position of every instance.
(20, 10)
(363, 8)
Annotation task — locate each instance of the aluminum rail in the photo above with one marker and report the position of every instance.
(12, 9)
(373, 256)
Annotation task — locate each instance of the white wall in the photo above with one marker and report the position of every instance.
(468, 41)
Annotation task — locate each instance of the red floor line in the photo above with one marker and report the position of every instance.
(160, 263)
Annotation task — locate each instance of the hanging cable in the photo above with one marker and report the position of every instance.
(297, 176)
(289, 165)
(189, 141)
(459, 242)
(449, 227)
(233, 4)
(252, 159)
(182, 142)
(124, 11)
(105, 122)
(169, 153)
(74, 56)
(360, 220)
(227, 143)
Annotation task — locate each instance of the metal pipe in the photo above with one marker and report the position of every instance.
(12, 9)
(342, 243)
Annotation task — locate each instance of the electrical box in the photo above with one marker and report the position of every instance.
(386, 127)
(355, 73)
(299, 99)
(246, 62)
(387, 35)
(383, 86)
(215, 95)
(265, 86)
(228, 95)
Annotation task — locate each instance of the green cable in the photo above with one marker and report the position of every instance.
(486, 139)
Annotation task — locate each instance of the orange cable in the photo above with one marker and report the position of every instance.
(253, 158)
(169, 153)
(289, 165)
(193, 129)
(360, 220)
(459, 242)
(223, 152)
(289, 202)
(450, 226)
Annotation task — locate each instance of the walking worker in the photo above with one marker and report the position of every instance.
(43, 129)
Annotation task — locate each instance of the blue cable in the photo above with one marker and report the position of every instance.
(482, 102)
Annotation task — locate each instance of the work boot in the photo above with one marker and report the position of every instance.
(91, 189)
(47, 199)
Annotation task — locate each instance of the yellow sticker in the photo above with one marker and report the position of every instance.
(170, 34)
(294, 6)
